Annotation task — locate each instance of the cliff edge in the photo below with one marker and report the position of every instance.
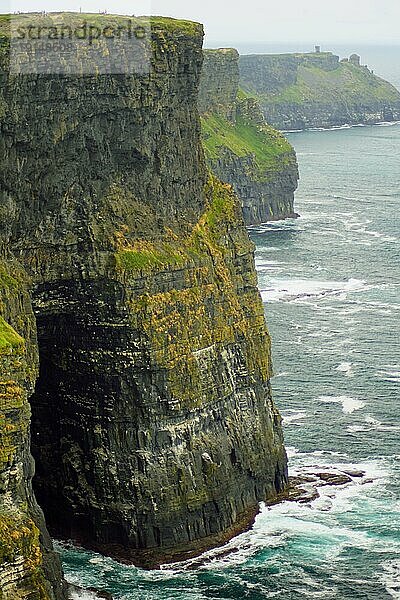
(302, 91)
(240, 147)
(152, 410)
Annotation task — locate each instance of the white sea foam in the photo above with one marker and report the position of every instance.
(346, 214)
(349, 404)
(372, 424)
(283, 374)
(291, 451)
(387, 123)
(292, 417)
(267, 266)
(267, 263)
(376, 234)
(317, 524)
(298, 289)
(351, 225)
(323, 334)
(357, 428)
(361, 243)
(82, 595)
(270, 249)
(345, 126)
(333, 128)
(276, 525)
(390, 578)
(391, 376)
(346, 368)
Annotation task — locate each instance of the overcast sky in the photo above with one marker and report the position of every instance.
(286, 21)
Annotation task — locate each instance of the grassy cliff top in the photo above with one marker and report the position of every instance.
(269, 147)
(283, 55)
(313, 83)
(175, 26)
(346, 82)
(221, 51)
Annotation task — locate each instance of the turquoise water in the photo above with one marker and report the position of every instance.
(330, 282)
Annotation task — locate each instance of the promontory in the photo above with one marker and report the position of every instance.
(240, 147)
(317, 90)
(135, 360)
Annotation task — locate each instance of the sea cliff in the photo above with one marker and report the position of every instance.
(239, 145)
(302, 91)
(152, 408)
(28, 566)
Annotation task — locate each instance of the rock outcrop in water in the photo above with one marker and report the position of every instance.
(240, 147)
(153, 427)
(301, 91)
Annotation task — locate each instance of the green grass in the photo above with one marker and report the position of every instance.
(12, 276)
(243, 95)
(172, 252)
(175, 26)
(144, 256)
(7, 280)
(189, 28)
(346, 83)
(268, 146)
(221, 209)
(9, 338)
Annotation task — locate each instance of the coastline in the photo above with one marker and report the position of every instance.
(345, 126)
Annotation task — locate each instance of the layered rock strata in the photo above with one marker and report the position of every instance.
(240, 147)
(28, 566)
(152, 411)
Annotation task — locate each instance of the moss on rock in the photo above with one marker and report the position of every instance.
(270, 149)
(240, 147)
(9, 338)
(22, 566)
(180, 322)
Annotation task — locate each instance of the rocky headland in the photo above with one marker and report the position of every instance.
(131, 324)
(317, 90)
(240, 147)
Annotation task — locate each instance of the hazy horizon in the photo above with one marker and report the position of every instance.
(290, 22)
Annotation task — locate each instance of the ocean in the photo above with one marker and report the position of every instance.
(330, 282)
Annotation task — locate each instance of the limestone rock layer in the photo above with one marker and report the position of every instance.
(153, 427)
(239, 145)
(28, 566)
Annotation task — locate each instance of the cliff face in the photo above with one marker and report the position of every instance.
(152, 410)
(219, 82)
(28, 566)
(240, 147)
(300, 91)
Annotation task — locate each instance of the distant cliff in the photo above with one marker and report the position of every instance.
(240, 147)
(300, 91)
(154, 430)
